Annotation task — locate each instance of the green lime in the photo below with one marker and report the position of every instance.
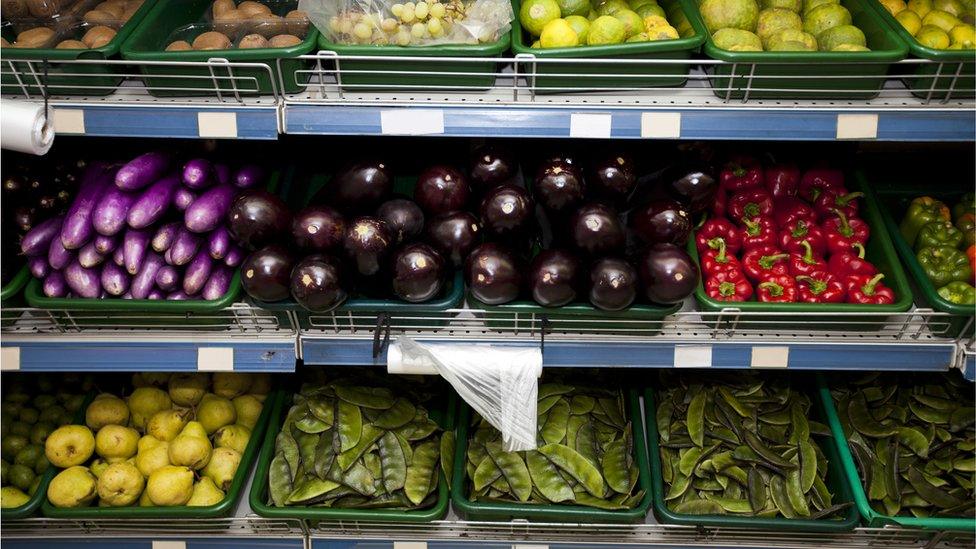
(851, 47)
(28, 455)
(729, 14)
(558, 34)
(610, 7)
(826, 16)
(774, 20)
(606, 30)
(737, 40)
(11, 444)
(648, 10)
(534, 15)
(633, 24)
(662, 32)
(792, 5)
(841, 35)
(573, 7)
(791, 35)
(21, 476)
(581, 25)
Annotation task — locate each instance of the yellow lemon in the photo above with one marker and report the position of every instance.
(535, 14)
(894, 7)
(932, 37)
(558, 34)
(910, 20)
(920, 7)
(665, 32)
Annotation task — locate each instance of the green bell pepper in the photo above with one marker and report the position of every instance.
(938, 233)
(922, 210)
(966, 204)
(967, 226)
(943, 265)
(958, 292)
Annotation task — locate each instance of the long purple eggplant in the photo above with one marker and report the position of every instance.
(217, 284)
(155, 294)
(249, 176)
(178, 295)
(55, 285)
(114, 279)
(142, 170)
(145, 279)
(184, 247)
(197, 272)
(110, 213)
(167, 278)
(105, 244)
(168, 256)
(210, 209)
(153, 203)
(234, 257)
(198, 173)
(134, 248)
(77, 228)
(165, 235)
(222, 173)
(89, 257)
(37, 240)
(57, 256)
(118, 256)
(219, 242)
(184, 197)
(38, 266)
(83, 282)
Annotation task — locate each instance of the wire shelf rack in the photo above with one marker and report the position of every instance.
(251, 526)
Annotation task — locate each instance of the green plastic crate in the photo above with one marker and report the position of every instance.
(40, 495)
(557, 77)
(414, 74)
(149, 42)
(872, 518)
(836, 483)
(259, 496)
(640, 319)
(805, 75)
(73, 79)
(879, 251)
(895, 203)
(10, 293)
(480, 510)
(224, 508)
(930, 78)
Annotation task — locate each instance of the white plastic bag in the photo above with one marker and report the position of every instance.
(500, 383)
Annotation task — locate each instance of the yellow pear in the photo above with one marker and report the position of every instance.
(73, 487)
(222, 467)
(146, 443)
(187, 389)
(214, 412)
(248, 408)
(69, 445)
(144, 500)
(232, 436)
(205, 493)
(166, 424)
(260, 385)
(121, 484)
(116, 441)
(170, 485)
(146, 401)
(11, 497)
(98, 466)
(153, 458)
(230, 384)
(191, 448)
(106, 410)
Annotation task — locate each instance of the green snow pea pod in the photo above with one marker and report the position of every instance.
(961, 417)
(311, 425)
(421, 477)
(418, 429)
(765, 453)
(795, 493)
(698, 507)
(547, 478)
(581, 404)
(757, 489)
(573, 426)
(279, 480)
(545, 404)
(613, 409)
(678, 488)
(966, 464)
(777, 489)
(914, 440)
(577, 466)
(554, 430)
(800, 426)
(513, 469)
(375, 466)
(306, 449)
(863, 422)
(779, 417)
(930, 493)
(359, 479)
(369, 436)
(377, 398)
(400, 413)
(323, 408)
(486, 473)
(550, 389)
(892, 476)
(663, 418)
(696, 419)
(584, 498)
(286, 444)
(618, 466)
(309, 489)
(808, 465)
(586, 442)
(324, 453)
(393, 461)
(350, 420)
(731, 505)
(447, 454)
(938, 403)
(734, 402)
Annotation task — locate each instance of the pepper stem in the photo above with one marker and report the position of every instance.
(845, 227)
(766, 261)
(845, 199)
(860, 249)
(720, 246)
(775, 289)
(800, 228)
(807, 252)
(752, 227)
(726, 289)
(868, 288)
(817, 287)
(751, 209)
(715, 243)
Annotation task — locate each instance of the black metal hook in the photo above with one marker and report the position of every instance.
(382, 326)
(544, 322)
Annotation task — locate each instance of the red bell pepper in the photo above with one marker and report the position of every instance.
(869, 290)
(971, 254)
(782, 180)
(839, 199)
(820, 287)
(777, 289)
(728, 286)
(750, 203)
(818, 180)
(799, 231)
(713, 229)
(790, 209)
(759, 262)
(850, 262)
(806, 262)
(759, 232)
(720, 204)
(718, 261)
(841, 232)
(740, 174)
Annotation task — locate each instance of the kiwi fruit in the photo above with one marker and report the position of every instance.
(98, 36)
(179, 45)
(211, 40)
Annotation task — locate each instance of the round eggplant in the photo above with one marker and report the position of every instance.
(441, 190)
(266, 273)
(553, 278)
(614, 176)
(506, 210)
(694, 186)
(597, 230)
(367, 243)
(613, 284)
(403, 217)
(258, 218)
(662, 221)
(454, 235)
(359, 187)
(418, 272)
(316, 283)
(558, 185)
(667, 273)
(491, 165)
(318, 229)
(492, 274)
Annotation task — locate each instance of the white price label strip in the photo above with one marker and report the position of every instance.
(770, 357)
(661, 125)
(217, 125)
(857, 126)
(532, 546)
(412, 122)
(693, 356)
(168, 544)
(9, 359)
(215, 359)
(409, 545)
(590, 125)
(69, 121)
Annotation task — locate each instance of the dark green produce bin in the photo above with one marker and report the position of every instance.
(879, 251)
(836, 483)
(259, 496)
(416, 75)
(185, 20)
(40, 495)
(872, 518)
(954, 68)
(577, 77)
(10, 293)
(67, 79)
(224, 508)
(638, 319)
(895, 201)
(481, 510)
(807, 75)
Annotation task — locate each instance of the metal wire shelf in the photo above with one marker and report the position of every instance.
(251, 526)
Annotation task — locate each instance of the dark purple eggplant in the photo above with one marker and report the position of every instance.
(249, 176)
(55, 285)
(118, 256)
(404, 218)
(597, 230)
(258, 218)
(492, 274)
(24, 218)
(613, 176)
(167, 278)
(553, 278)
(491, 165)
(218, 283)
(218, 242)
(317, 284)
(58, 257)
(558, 185)
(184, 247)
(662, 221)
(38, 266)
(234, 257)
(441, 190)
(506, 210)
(135, 244)
(265, 274)
(165, 236)
(613, 284)
(418, 272)
(155, 295)
(197, 272)
(454, 235)
(89, 257)
(83, 282)
(153, 203)
(105, 244)
(358, 187)
(142, 170)
(318, 229)
(115, 281)
(198, 173)
(694, 186)
(37, 241)
(209, 209)
(144, 281)
(183, 198)
(14, 185)
(667, 273)
(178, 295)
(77, 228)
(367, 243)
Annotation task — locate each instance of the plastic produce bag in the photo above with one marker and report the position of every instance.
(500, 383)
(402, 23)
